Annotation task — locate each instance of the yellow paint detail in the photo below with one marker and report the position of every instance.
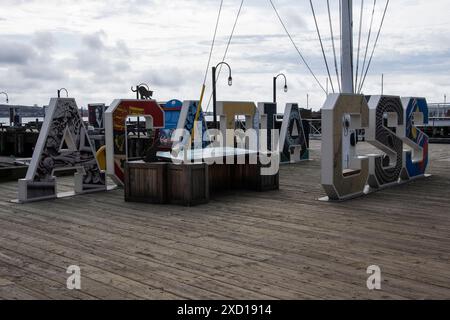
(233, 109)
(197, 115)
(414, 132)
(101, 158)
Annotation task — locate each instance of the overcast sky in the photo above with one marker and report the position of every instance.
(99, 49)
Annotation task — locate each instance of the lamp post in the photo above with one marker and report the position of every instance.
(275, 86)
(7, 97)
(63, 89)
(441, 111)
(7, 101)
(230, 83)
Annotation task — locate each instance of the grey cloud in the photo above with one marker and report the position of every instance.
(94, 41)
(44, 40)
(30, 59)
(16, 2)
(253, 38)
(122, 48)
(15, 53)
(125, 6)
(42, 72)
(165, 76)
(97, 58)
(163, 34)
(409, 63)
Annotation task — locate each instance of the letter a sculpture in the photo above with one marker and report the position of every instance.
(63, 145)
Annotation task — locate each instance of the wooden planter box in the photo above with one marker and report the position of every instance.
(146, 182)
(188, 184)
(191, 184)
(240, 177)
(267, 183)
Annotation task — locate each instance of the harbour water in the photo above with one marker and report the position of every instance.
(5, 121)
(25, 120)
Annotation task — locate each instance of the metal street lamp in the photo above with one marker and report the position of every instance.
(230, 83)
(275, 86)
(63, 89)
(7, 97)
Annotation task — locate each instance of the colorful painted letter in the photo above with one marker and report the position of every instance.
(63, 145)
(115, 131)
(389, 122)
(340, 114)
(268, 112)
(292, 136)
(416, 160)
(385, 132)
(230, 112)
(186, 122)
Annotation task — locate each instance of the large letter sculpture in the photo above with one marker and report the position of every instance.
(229, 110)
(292, 136)
(115, 131)
(268, 112)
(186, 122)
(389, 122)
(63, 145)
(172, 110)
(97, 115)
(415, 160)
(385, 132)
(340, 114)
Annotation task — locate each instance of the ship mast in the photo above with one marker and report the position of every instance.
(347, 46)
(348, 146)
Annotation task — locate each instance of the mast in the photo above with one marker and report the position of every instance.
(349, 137)
(347, 46)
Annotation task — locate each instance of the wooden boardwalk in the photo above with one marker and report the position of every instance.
(276, 245)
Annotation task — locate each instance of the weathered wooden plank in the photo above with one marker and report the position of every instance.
(282, 244)
(316, 280)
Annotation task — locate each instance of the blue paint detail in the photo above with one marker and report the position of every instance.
(417, 136)
(192, 112)
(173, 104)
(172, 110)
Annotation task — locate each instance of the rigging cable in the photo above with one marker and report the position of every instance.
(227, 48)
(340, 31)
(368, 38)
(321, 45)
(375, 45)
(213, 42)
(334, 46)
(202, 94)
(359, 45)
(295, 46)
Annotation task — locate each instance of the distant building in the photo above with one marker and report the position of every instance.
(439, 110)
(23, 111)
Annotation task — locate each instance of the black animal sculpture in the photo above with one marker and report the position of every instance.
(143, 92)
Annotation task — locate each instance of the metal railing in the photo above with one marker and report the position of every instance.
(315, 126)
